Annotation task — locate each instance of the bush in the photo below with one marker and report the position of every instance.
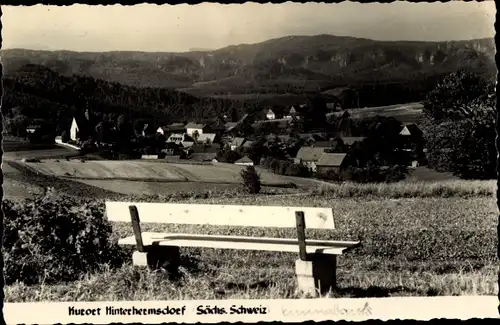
(251, 180)
(56, 238)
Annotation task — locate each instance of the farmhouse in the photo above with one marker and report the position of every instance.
(237, 142)
(32, 129)
(192, 128)
(74, 130)
(172, 128)
(309, 156)
(291, 113)
(245, 161)
(270, 114)
(330, 161)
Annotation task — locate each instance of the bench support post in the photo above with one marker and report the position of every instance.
(318, 274)
(158, 257)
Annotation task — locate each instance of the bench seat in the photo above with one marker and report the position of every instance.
(240, 242)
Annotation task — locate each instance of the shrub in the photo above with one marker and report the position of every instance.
(56, 238)
(251, 180)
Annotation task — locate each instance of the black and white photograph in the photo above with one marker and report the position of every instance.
(249, 151)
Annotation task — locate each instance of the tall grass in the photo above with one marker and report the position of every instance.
(405, 189)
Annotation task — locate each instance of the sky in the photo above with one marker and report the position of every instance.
(149, 27)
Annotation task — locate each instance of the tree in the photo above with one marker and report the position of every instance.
(251, 180)
(450, 98)
(460, 128)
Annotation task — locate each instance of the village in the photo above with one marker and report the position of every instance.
(252, 140)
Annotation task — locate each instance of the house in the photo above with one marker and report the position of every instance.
(270, 114)
(309, 156)
(411, 130)
(291, 113)
(207, 138)
(194, 128)
(74, 130)
(174, 128)
(237, 142)
(412, 137)
(245, 161)
(32, 129)
(181, 139)
(330, 162)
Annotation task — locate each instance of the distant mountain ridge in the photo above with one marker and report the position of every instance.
(291, 64)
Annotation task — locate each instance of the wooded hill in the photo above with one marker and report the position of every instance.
(287, 65)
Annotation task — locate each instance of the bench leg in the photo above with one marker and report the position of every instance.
(158, 257)
(317, 274)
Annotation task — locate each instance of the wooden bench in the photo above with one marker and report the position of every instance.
(315, 268)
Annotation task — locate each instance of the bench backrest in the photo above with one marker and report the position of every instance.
(221, 215)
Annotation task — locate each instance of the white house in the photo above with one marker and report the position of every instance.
(73, 131)
(191, 128)
(270, 115)
(245, 161)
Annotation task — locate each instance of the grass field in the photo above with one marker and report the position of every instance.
(410, 247)
(406, 113)
(154, 172)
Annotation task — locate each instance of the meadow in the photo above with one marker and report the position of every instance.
(405, 113)
(154, 171)
(417, 240)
